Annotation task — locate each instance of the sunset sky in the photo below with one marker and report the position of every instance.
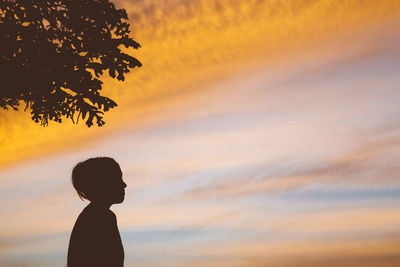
(256, 133)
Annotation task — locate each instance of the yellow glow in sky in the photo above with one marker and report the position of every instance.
(186, 45)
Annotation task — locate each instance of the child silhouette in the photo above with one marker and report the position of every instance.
(95, 239)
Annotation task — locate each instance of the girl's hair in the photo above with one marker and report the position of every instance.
(89, 176)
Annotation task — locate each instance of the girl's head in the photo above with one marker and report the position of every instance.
(99, 180)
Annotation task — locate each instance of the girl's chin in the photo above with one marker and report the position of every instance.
(120, 200)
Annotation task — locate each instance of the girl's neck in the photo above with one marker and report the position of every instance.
(100, 205)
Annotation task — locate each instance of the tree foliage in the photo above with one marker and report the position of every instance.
(53, 53)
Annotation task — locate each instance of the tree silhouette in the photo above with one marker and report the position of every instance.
(53, 52)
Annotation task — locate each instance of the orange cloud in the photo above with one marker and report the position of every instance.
(186, 45)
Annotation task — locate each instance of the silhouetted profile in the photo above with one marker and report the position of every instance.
(95, 239)
(54, 52)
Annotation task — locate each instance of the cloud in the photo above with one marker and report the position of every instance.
(372, 164)
(188, 45)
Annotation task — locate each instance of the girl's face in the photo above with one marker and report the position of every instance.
(116, 187)
(109, 188)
